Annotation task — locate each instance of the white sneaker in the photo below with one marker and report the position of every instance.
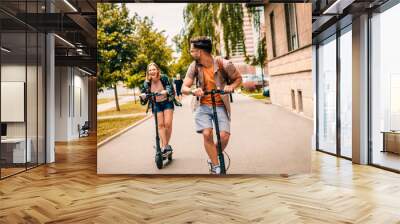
(216, 169)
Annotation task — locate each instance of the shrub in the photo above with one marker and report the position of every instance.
(249, 86)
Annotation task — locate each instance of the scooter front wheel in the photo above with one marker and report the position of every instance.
(159, 161)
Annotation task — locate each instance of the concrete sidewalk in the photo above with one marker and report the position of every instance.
(266, 139)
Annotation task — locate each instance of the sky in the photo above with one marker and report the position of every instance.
(166, 16)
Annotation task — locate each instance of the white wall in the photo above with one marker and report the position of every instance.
(70, 83)
(14, 72)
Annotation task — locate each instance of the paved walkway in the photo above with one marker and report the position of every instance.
(265, 139)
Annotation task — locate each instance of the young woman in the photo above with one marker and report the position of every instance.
(164, 107)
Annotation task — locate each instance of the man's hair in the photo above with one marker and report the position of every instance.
(202, 42)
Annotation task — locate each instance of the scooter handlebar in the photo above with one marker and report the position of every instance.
(215, 91)
(153, 94)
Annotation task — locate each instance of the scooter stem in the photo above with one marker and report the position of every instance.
(219, 145)
(156, 122)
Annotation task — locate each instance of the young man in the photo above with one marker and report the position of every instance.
(208, 73)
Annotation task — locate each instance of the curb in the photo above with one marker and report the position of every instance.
(122, 131)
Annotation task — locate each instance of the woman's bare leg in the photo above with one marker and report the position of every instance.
(168, 117)
(161, 129)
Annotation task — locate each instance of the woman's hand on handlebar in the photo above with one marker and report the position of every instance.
(164, 92)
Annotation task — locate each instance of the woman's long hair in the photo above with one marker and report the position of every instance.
(147, 70)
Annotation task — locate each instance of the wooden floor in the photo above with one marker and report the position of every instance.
(69, 191)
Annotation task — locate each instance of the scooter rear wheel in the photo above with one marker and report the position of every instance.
(170, 157)
(159, 161)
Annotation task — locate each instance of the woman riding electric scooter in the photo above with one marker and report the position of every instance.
(163, 108)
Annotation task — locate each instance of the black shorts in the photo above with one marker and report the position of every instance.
(178, 92)
(164, 105)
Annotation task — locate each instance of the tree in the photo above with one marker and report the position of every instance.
(116, 45)
(212, 20)
(260, 58)
(133, 82)
(182, 46)
(232, 23)
(151, 47)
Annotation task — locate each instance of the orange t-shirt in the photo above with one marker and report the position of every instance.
(209, 84)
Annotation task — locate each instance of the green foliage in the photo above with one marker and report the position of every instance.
(183, 47)
(254, 12)
(126, 46)
(152, 47)
(202, 20)
(114, 42)
(261, 56)
(259, 59)
(232, 22)
(210, 19)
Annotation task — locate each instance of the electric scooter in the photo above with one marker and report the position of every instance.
(215, 119)
(160, 156)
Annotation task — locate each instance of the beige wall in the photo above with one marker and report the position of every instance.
(290, 70)
(281, 86)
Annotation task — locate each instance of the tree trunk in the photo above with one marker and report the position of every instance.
(116, 98)
(134, 95)
(262, 76)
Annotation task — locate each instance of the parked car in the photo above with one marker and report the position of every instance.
(266, 91)
(255, 78)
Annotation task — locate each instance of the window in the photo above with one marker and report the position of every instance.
(272, 21)
(385, 89)
(22, 75)
(291, 26)
(293, 100)
(345, 92)
(326, 108)
(300, 100)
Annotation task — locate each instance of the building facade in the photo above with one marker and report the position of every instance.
(289, 56)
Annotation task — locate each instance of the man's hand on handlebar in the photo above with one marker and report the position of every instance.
(197, 92)
(228, 89)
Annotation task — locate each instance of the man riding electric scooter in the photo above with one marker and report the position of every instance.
(214, 76)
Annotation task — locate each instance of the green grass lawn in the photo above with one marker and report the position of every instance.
(104, 100)
(109, 127)
(256, 95)
(128, 108)
(259, 96)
